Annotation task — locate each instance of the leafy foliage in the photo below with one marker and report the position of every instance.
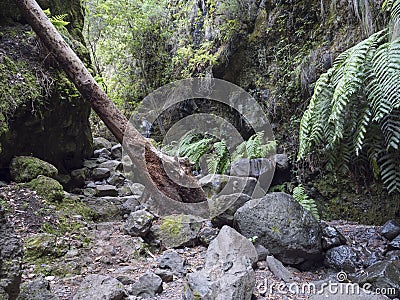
(140, 45)
(194, 146)
(58, 20)
(308, 203)
(354, 111)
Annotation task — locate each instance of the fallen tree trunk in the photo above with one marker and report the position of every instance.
(155, 176)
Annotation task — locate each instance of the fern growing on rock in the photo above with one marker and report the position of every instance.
(355, 109)
(308, 203)
(194, 146)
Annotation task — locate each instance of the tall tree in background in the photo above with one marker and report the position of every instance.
(108, 112)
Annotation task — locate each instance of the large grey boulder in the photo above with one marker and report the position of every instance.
(26, 168)
(228, 272)
(283, 226)
(100, 287)
(10, 259)
(215, 185)
(223, 208)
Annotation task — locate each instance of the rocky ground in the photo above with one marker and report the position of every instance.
(98, 239)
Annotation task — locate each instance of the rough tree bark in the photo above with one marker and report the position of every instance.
(161, 184)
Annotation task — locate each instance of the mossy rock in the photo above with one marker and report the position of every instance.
(47, 187)
(179, 230)
(44, 245)
(27, 168)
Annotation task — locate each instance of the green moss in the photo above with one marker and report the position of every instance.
(70, 214)
(18, 86)
(47, 187)
(171, 226)
(44, 244)
(27, 168)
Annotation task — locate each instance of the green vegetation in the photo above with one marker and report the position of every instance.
(27, 168)
(138, 46)
(308, 203)
(194, 146)
(49, 188)
(18, 85)
(354, 114)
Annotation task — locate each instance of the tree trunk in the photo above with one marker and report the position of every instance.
(141, 152)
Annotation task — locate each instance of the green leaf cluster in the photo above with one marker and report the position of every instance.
(354, 113)
(308, 203)
(194, 146)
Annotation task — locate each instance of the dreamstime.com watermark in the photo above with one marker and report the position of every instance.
(325, 288)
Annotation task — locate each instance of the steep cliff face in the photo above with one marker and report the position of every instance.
(41, 112)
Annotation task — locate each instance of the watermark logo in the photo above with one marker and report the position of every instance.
(159, 103)
(327, 288)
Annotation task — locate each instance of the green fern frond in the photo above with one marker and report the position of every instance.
(309, 204)
(354, 111)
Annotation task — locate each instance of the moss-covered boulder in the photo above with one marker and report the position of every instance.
(41, 111)
(27, 168)
(44, 245)
(47, 187)
(178, 230)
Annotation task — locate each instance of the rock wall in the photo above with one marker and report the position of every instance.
(41, 112)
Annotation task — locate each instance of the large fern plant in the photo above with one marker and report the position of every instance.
(194, 146)
(354, 112)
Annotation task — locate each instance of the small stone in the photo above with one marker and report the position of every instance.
(395, 243)
(331, 237)
(39, 289)
(100, 287)
(262, 252)
(90, 163)
(112, 165)
(278, 269)
(165, 275)
(390, 230)
(100, 173)
(147, 286)
(138, 223)
(47, 187)
(207, 234)
(125, 280)
(106, 190)
(116, 151)
(100, 142)
(102, 153)
(171, 260)
(341, 258)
